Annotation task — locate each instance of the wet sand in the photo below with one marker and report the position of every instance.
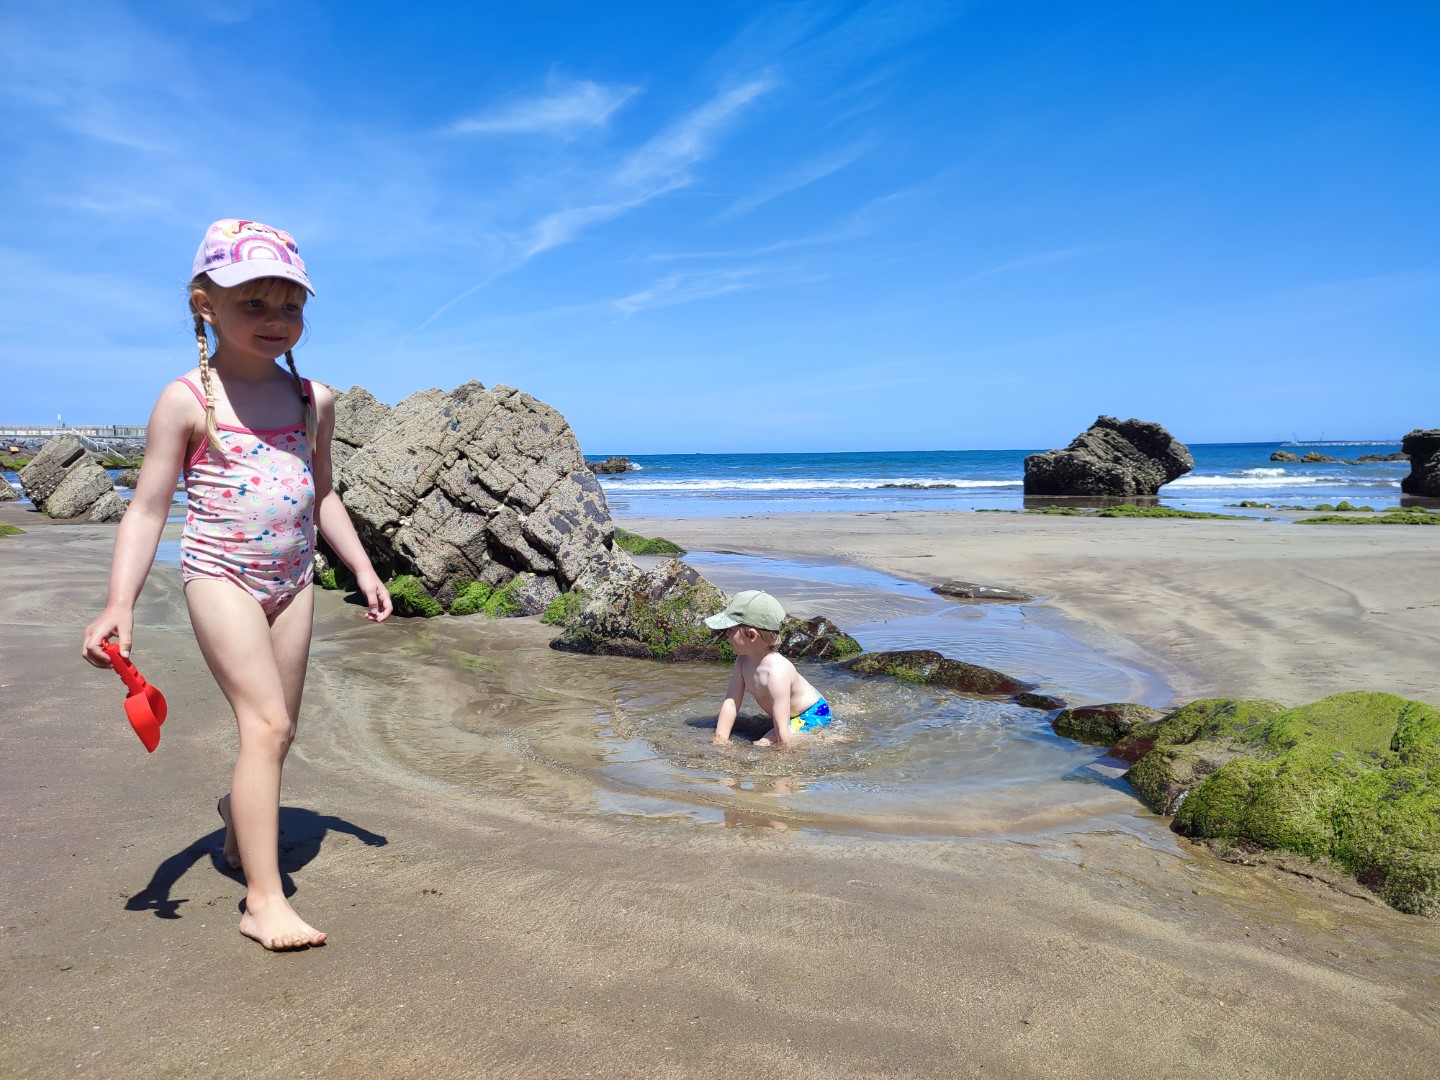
(494, 910)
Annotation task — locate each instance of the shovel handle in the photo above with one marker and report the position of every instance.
(127, 671)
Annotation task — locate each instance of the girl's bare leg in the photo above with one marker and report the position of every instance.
(259, 664)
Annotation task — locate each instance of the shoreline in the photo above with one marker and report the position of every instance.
(476, 929)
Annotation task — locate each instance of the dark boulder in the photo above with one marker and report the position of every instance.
(612, 465)
(1112, 457)
(1423, 449)
(1285, 456)
(1103, 725)
(968, 590)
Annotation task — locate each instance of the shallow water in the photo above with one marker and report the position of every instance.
(487, 705)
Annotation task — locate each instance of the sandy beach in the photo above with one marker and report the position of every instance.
(492, 914)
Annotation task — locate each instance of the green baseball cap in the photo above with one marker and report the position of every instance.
(749, 608)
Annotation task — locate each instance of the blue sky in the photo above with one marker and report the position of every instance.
(731, 226)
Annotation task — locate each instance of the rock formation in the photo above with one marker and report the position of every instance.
(474, 485)
(929, 667)
(659, 615)
(612, 465)
(1423, 448)
(64, 481)
(358, 415)
(1350, 781)
(1112, 457)
(8, 492)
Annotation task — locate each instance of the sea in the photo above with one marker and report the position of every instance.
(1225, 474)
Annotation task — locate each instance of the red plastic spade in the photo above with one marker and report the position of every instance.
(144, 706)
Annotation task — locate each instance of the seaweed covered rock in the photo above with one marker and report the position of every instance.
(1180, 750)
(1423, 449)
(1352, 780)
(814, 639)
(656, 615)
(929, 667)
(64, 481)
(1111, 457)
(1103, 725)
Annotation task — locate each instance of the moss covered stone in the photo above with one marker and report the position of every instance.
(636, 544)
(11, 530)
(410, 598)
(470, 597)
(1351, 780)
(563, 609)
(930, 668)
(1103, 725)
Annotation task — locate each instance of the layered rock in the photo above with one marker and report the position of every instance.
(7, 492)
(358, 416)
(1112, 458)
(64, 481)
(1423, 448)
(475, 485)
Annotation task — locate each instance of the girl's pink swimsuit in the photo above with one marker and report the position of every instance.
(251, 512)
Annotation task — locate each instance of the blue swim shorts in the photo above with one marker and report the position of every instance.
(813, 718)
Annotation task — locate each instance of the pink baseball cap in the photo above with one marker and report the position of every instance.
(235, 251)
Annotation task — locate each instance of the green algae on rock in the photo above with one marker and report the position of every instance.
(636, 544)
(656, 615)
(1103, 725)
(410, 598)
(1352, 780)
(929, 667)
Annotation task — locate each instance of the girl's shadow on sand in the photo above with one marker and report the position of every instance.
(301, 833)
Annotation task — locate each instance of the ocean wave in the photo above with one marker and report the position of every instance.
(1278, 478)
(624, 485)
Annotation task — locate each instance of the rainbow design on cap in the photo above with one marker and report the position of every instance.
(234, 247)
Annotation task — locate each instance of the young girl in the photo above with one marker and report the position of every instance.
(253, 442)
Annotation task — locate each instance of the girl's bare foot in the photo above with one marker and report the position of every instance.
(277, 926)
(232, 847)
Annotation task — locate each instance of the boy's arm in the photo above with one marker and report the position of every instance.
(730, 707)
(333, 519)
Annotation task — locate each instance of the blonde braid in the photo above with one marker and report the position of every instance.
(305, 401)
(212, 432)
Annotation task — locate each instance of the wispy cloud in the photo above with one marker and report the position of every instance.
(665, 158)
(565, 109)
(803, 175)
(686, 288)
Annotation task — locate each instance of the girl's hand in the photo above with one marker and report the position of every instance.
(116, 622)
(377, 597)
